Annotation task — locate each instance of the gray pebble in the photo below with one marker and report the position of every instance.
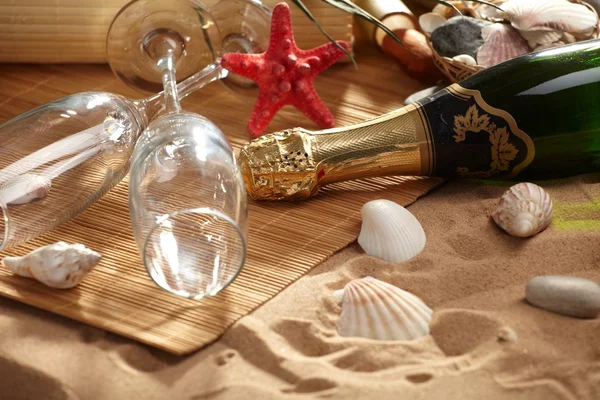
(566, 295)
(422, 94)
(458, 35)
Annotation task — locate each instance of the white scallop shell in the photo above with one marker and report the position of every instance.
(58, 265)
(430, 21)
(541, 38)
(568, 38)
(524, 210)
(529, 15)
(487, 12)
(501, 42)
(390, 232)
(465, 59)
(377, 310)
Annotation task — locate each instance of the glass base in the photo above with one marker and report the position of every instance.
(144, 30)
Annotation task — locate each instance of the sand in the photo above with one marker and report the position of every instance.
(486, 341)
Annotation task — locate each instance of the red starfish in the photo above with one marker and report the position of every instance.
(285, 74)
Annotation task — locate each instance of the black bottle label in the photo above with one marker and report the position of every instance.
(471, 139)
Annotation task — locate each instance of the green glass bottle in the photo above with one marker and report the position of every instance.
(554, 97)
(533, 117)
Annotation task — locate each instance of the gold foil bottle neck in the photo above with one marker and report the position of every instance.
(279, 166)
(293, 164)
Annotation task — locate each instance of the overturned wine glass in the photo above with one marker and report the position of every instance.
(187, 198)
(58, 159)
(144, 28)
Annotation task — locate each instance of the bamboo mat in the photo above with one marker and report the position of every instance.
(285, 240)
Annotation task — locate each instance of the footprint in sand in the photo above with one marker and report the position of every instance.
(313, 385)
(261, 347)
(458, 332)
(134, 358)
(329, 313)
(419, 377)
(373, 358)
(298, 332)
(90, 334)
(360, 265)
(225, 357)
(471, 247)
(20, 382)
(243, 391)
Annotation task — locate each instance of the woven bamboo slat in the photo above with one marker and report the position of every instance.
(74, 31)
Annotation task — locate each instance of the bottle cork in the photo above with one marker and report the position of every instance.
(415, 57)
(392, 13)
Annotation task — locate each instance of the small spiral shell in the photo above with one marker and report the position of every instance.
(524, 210)
(59, 265)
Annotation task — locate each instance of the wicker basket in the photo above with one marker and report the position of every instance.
(456, 71)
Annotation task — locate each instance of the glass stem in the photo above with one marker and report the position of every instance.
(210, 73)
(91, 138)
(167, 69)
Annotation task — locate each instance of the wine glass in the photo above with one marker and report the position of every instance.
(59, 158)
(145, 25)
(187, 199)
(188, 205)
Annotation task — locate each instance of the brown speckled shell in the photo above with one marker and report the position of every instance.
(524, 210)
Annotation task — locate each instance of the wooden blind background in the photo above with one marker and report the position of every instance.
(74, 31)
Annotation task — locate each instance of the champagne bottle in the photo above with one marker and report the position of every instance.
(532, 117)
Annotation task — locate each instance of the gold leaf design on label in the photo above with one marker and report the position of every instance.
(470, 122)
(511, 149)
(502, 151)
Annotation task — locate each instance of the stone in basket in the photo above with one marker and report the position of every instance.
(484, 36)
